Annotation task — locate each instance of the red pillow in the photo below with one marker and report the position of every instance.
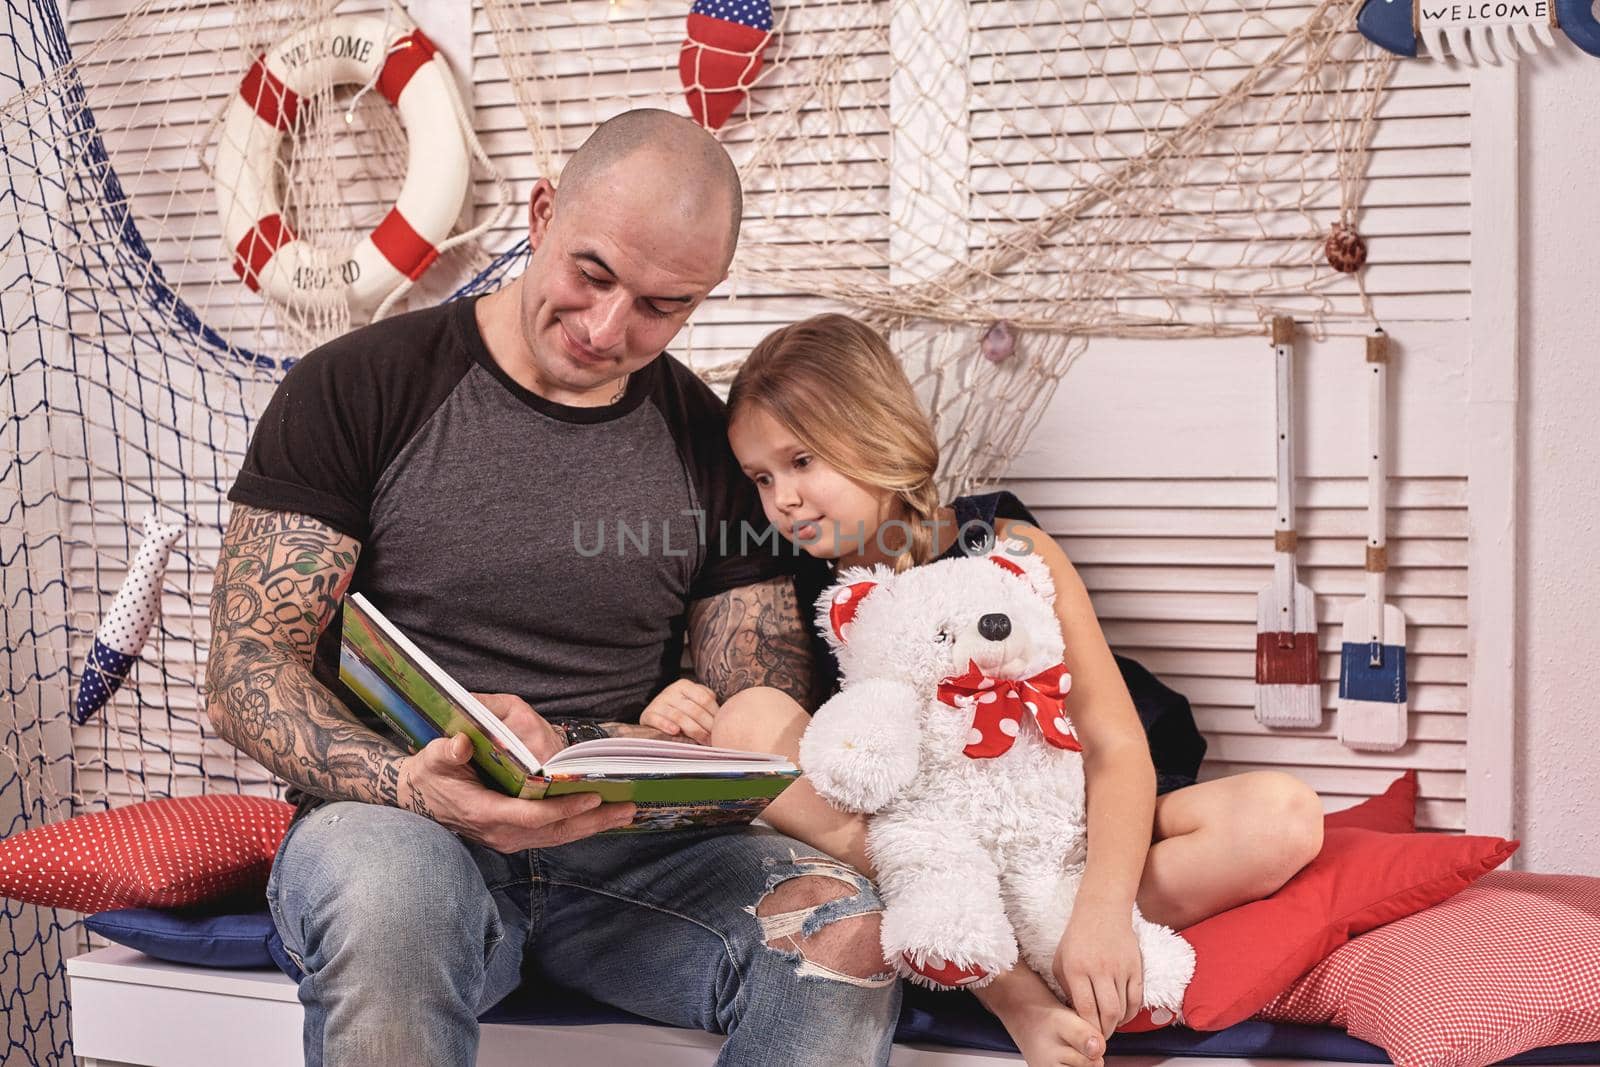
(1394, 811)
(155, 854)
(1361, 879)
(1509, 964)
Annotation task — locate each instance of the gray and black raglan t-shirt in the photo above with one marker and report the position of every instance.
(529, 547)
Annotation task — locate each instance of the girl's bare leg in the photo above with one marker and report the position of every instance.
(1049, 1033)
(1227, 842)
(769, 720)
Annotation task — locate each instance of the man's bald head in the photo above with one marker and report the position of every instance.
(659, 145)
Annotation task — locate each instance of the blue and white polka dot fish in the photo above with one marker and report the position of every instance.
(126, 626)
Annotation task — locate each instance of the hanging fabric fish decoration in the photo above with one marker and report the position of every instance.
(721, 55)
(123, 631)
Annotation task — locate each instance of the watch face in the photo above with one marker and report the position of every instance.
(583, 731)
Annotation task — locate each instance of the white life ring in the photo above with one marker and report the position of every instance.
(404, 67)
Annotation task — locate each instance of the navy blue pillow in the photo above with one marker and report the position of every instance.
(227, 940)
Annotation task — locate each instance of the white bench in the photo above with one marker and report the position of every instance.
(129, 1010)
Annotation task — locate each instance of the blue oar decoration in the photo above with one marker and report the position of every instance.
(1372, 655)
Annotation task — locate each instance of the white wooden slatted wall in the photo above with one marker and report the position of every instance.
(1154, 461)
(1168, 513)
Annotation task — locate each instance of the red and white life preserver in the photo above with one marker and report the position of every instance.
(403, 66)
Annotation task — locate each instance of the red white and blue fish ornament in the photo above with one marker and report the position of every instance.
(722, 53)
(123, 631)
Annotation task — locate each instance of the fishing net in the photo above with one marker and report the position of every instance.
(992, 183)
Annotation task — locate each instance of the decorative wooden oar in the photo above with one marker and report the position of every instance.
(1372, 661)
(1288, 690)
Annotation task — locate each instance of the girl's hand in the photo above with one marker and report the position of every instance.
(1099, 965)
(683, 709)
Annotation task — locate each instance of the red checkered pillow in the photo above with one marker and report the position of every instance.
(157, 854)
(1360, 880)
(1510, 963)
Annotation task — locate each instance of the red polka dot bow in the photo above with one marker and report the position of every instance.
(1000, 704)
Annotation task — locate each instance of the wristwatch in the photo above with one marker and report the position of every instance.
(579, 730)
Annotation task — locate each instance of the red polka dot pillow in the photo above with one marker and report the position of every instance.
(1510, 963)
(156, 854)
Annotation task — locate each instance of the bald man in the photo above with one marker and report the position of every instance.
(470, 469)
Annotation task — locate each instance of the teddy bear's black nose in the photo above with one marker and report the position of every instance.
(995, 627)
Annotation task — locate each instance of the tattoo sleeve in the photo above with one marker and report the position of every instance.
(278, 586)
(753, 635)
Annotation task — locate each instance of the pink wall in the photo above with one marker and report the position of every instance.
(1558, 757)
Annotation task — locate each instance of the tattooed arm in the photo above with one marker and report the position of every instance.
(745, 637)
(753, 635)
(278, 585)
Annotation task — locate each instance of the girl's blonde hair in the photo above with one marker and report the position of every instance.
(833, 383)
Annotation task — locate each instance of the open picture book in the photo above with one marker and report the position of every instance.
(673, 783)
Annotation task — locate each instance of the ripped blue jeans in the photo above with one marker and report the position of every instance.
(408, 933)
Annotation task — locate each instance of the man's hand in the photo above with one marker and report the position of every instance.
(438, 783)
(542, 739)
(683, 709)
(1099, 965)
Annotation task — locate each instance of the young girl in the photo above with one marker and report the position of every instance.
(823, 419)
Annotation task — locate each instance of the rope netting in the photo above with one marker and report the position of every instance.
(992, 183)
(1070, 168)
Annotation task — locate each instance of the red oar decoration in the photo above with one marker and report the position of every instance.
(722, 54)
(1288, 689)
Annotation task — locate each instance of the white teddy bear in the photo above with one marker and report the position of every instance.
(950, 732)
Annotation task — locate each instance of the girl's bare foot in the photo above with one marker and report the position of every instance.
(1048, 1033)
